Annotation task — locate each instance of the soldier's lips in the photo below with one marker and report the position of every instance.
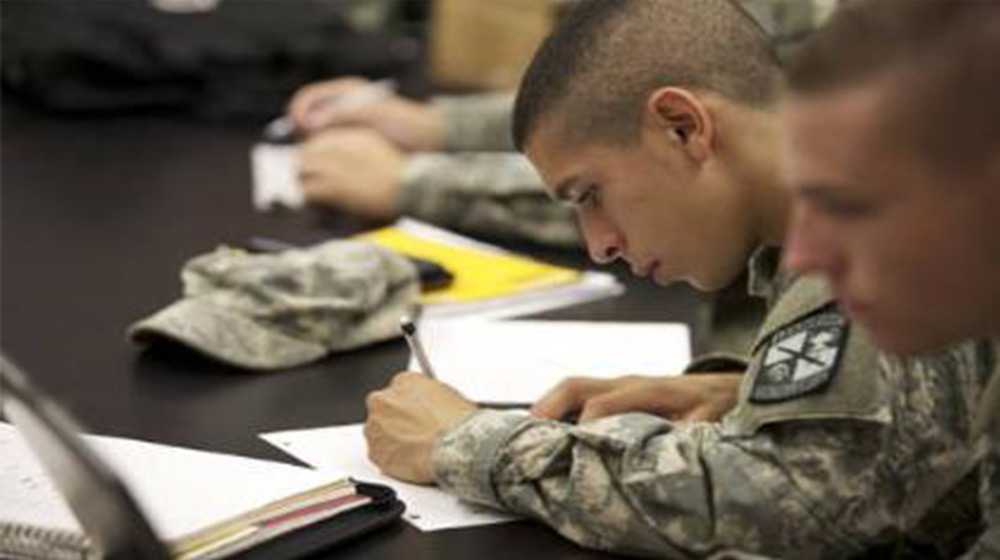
(855, 309)
(647, 271)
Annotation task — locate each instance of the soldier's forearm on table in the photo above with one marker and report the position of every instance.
(485, 193)
(637, 484)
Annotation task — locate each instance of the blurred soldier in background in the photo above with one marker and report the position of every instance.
(895, 161)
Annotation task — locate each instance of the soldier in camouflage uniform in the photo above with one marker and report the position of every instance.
(894, 165)
(831, 449)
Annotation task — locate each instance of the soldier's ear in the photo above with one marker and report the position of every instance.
(683, 118)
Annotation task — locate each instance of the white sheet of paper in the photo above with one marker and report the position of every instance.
(275, 170)
(179, 489)
(518, 361)
(340, 450)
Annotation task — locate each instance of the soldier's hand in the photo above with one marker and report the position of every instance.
(410, 125)
(353, 169)
(688, 397)
(406, 419)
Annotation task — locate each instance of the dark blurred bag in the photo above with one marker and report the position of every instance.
(244, 58)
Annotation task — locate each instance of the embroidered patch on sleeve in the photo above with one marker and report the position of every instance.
(801, 358)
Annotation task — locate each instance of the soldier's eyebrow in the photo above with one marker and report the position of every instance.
(821, 192)
(838, 200)
(564, 190)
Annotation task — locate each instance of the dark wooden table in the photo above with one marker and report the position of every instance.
(97, 216)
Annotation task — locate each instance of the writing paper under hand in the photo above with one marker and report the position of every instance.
(518, 361)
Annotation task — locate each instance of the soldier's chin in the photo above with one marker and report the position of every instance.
(664, 281)
(705, 284)
(905, 340)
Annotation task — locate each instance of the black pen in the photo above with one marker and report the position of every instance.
(409, 329)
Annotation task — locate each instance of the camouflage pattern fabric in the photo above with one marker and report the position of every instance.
(789, 22)
(494, 194)
(483, 187)
(273, 311)
(987, 437)
(477, 123)
(830, 473)
(727, 325)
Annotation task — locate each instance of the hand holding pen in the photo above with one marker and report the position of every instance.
(409, 328)
(356, 102)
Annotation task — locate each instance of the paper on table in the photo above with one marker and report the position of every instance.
(518, 361)
(169, 483)
(341, 450)
(275, 170)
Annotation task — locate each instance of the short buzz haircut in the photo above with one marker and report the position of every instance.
(605, 57)
(940, 57)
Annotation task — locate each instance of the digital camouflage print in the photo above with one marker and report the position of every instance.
(274, 311)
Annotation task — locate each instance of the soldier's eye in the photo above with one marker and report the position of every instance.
(586, 197)
(846, 209)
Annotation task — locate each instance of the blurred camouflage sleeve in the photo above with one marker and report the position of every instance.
(477, 123)
(495, 194)
(816, 487)
(987, 547)
(988, 438)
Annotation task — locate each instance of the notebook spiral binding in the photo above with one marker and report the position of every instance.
(19, 542)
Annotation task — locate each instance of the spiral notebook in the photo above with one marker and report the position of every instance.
(71, 496)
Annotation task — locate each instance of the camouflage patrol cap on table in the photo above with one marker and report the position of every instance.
(273, 311)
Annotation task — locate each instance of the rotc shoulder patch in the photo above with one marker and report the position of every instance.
(800, 358)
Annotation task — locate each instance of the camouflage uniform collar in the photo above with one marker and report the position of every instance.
(789, 297)
(765, 276)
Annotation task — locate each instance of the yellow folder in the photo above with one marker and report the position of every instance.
(480, 273)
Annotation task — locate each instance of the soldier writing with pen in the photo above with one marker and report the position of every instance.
(654, 120)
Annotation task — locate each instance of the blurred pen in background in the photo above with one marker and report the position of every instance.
(284, 131)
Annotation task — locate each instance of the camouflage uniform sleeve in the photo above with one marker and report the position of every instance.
(987, 432)
(477, 123)
(494, 194)
(638, 484)
(987, 547)
(816, 485)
